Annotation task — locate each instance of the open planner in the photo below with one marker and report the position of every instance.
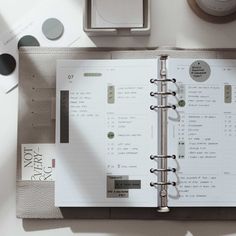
(127, 134)
(114, 115)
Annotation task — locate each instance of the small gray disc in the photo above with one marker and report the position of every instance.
(200, 71)
(27, 41)
(53, 29)
(7, 64)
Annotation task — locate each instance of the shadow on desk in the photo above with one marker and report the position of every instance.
(121, 41)
(135, 227)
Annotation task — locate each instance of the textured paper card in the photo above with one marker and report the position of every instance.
(38, 162)
(117, 14)
(30, 32)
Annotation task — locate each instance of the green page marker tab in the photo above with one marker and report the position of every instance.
(228, 94)
(92, 74)
(111, 94)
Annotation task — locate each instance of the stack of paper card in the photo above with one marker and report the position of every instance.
(117, 14)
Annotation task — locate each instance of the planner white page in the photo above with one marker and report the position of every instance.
(117, 14)
(202, 133)
(105, 133)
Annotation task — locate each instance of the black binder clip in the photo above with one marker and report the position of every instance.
(153, 108)
(153, 81)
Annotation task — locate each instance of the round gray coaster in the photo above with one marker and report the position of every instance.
(53, 29)
(27, 41)
(7, 64)
(215, 19)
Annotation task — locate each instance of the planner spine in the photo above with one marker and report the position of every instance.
(162, 155)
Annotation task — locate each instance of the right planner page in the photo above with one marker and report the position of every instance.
(202, 132)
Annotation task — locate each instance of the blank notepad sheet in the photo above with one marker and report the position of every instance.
(117, 14)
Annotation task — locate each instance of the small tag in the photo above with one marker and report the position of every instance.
(112, 192)
(181, 149)
(38, 162)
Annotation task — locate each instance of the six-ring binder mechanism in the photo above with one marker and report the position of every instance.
(162, 156)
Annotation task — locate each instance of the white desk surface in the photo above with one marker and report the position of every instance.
(173, 24)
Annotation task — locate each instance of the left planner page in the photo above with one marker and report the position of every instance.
(105, 133)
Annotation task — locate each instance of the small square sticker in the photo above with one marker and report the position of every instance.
(112, 192)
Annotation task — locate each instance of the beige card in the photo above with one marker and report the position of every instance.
(38, 162)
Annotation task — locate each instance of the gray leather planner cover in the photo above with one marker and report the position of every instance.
(37, 70)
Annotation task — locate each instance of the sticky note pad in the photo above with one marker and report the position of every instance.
(117, 14)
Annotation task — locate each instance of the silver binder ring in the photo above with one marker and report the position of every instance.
(152, 107)
(155, 94)
(153, 184)
(153, 157)
(153, 81)
(152, 170)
